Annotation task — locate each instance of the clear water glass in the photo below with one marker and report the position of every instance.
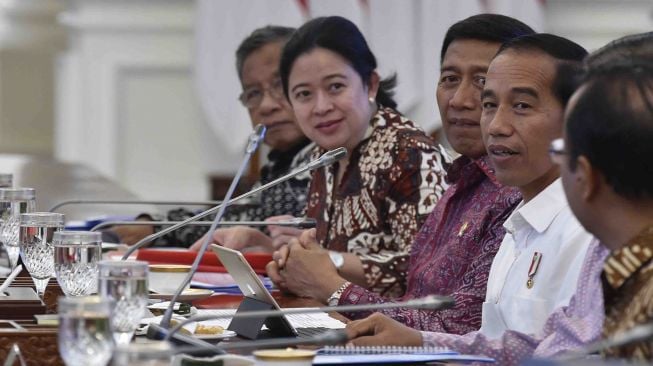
(76, 254)
(85, 331)
(35, 241)
(13, 203)
(124, 282)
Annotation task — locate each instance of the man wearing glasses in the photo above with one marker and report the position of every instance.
(257, 64)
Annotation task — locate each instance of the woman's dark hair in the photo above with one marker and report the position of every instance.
(341, 36)
(259, 38)
(569, 55)
(485, 27)
(611, 124)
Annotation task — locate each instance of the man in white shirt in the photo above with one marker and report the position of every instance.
(536, 269)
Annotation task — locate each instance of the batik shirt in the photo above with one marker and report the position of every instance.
(628, 290)
(453, 251)
(287, 198)
(568, 328)
(393, 180)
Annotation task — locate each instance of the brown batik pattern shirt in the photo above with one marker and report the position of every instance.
(392, 182)
(628, 290)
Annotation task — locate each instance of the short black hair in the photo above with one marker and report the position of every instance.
(341, 36)
(633, 46)
(257, 39)
(568, 54)
(611, 123)
(485, 27)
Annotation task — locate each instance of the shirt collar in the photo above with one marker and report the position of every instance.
(466, 171)
(624, 262)
(539, 212)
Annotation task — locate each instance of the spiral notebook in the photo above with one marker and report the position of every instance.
(391, 355)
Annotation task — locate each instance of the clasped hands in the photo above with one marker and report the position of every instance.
(304, 268)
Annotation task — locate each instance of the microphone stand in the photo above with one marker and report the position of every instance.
(254, 140)
(636, 334)
(302, 223)
(134, 202)
(327, 158)
(431, 302)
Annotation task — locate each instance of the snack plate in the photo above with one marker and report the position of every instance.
(225, 334)
(188, 295)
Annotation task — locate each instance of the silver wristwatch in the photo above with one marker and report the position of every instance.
(337, 258)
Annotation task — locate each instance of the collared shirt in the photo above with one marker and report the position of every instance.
(287, 198)
(392, 181)
(568, 328)
(453, 251)
(544, 226)
(628, 287)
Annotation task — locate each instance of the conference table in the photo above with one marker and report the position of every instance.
(38, 343)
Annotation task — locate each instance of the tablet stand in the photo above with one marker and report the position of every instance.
(250, 327)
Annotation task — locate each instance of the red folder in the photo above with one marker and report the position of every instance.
(209, 262)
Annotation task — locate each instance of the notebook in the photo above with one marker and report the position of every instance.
(391, 355)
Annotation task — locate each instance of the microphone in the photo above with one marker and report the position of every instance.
(254, 139)
(639, 333)
(326, 159)
(299, 222)
(134, 202)
(431, 302)
(330, 337)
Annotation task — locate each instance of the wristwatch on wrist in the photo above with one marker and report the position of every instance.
(337, 258)
(334, 299)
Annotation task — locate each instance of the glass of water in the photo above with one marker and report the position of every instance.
(85, 331)
(125, 282)
(13, 203)
(36, 250)
(76, 254)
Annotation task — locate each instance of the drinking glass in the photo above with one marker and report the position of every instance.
(76, 254)
(13, 202)
(36, 250)
(85, 331)
(125, 282)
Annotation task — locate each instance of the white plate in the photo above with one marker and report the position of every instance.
(225, 334)
(188, 295)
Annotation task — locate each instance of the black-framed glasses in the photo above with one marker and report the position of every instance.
(252, 97)
(557, 150)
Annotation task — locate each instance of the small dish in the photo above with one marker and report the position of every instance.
(188, 295)
(224, 334)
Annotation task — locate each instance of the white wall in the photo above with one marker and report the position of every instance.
(125, 100)
(126, 72)
(593, 23)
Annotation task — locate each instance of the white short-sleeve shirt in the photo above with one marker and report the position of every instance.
(544, 225)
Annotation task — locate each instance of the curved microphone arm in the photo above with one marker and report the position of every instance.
(254, 139)
(431, 302)
(327, 158)
(302, 223)
(134, 202)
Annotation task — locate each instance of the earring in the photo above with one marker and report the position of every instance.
(372, 100)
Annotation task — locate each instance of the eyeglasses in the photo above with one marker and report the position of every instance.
(253, 97)
(557, 150)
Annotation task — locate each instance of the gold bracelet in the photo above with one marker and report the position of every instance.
(334, 299)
